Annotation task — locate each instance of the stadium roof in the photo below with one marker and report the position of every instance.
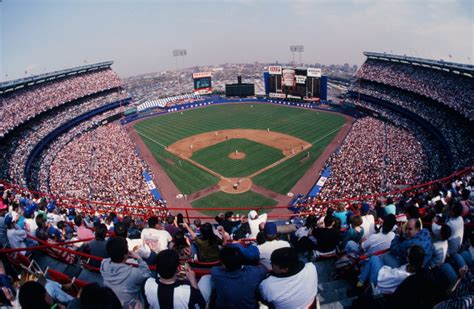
(36, 79)
(452, 67)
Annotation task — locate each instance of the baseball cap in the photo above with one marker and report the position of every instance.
(365, 208)
(270, 229)
(252, 214)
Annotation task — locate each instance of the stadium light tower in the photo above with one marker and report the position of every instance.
(179, 53)
(296, 49)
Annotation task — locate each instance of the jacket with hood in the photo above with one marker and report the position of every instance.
(126, 281)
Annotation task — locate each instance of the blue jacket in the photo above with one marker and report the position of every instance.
(399, 246)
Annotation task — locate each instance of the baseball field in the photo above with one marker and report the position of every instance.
(238, 154)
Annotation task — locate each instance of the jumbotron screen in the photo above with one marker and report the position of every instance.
(202, 82)
(294, 83)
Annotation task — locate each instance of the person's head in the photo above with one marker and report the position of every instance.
(328, 221)
(311, 221)
(445, 232)
(415, 258)
(284, 260)
(197, 222)
(270, 231)
(253, 214)
(100, 231)
(412, 212)
(389, 223)
(61, 225)
(167, 263)
(152, 222)
(95, 296)
(33, 295)
(120, 230)
(170, 219)
(232, 258)
(341, 207)
(206, 231)
(364, 209)
(456, 210)
(356, 220)
(413, 227)
(78, 220)
(180, 240)
(127, 221)
(389, 200)
(228, 215)
(117, 249)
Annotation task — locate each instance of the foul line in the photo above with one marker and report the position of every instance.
(323, 137)
(164, 146)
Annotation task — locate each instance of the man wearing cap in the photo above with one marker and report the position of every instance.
(254, 222)
(271, 244)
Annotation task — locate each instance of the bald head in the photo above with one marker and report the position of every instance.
(413, 227)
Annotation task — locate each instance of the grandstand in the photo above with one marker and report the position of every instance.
(408, 155)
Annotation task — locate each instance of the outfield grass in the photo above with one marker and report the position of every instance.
(216, 157)
(314, 127)
(225, 200)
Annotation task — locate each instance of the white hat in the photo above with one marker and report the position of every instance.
(253, 214)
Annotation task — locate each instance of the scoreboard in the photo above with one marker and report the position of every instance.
(295, 83)
(202, 82)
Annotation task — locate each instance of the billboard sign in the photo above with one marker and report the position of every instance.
(300, 79)
(277, 95)
(288, 78)
(201, 74)
(314, 72)
(274, 69)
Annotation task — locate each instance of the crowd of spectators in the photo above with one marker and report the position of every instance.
(373, 157)
(25, 141)
(427, 260)
(453, 90)
(456, 130)
(23, 104)
(437, 160)
(100, 165)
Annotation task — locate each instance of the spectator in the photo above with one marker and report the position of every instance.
(244, 229)
(390, 208)
(440, 248)
(368, 221)
(155, 234)
(341, 213)
(170, 225)
(456, 224)
(16, 236)
(166, 292)
(3, 226)
(126, 281)
(412, 235)
(228, 224)
(235, 285)
(292, 284)
(254, 222)
(327, 238)
(208, 243)
(386, 278)
(353, 235)
(33, 295)
(97, 247)
(382, 240)
(82, 231)
(95, 296)
(271, 244)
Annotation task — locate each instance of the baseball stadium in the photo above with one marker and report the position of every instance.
(296, 189)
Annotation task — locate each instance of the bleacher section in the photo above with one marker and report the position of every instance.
(169, 101)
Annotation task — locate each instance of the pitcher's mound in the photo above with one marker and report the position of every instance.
(237, 156)
(235, 185)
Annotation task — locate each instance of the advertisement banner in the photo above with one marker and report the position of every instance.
(277, 95)
(201, 74)
(300, 79)
(288, 78)
(293, 96)
(274, 70)
(314, 72)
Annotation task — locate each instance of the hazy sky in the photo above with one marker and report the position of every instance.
(139, 35)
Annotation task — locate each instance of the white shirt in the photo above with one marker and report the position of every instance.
(181, 295)
(377, 242)
(388, 279)
(31, 224)
(16, 238)
(457, 233)
(297, 291)
(160, 236)
(440, 251)
(368, 223)
(266, 249)
(254, 225)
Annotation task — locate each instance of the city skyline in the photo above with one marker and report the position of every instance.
(139, 36)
